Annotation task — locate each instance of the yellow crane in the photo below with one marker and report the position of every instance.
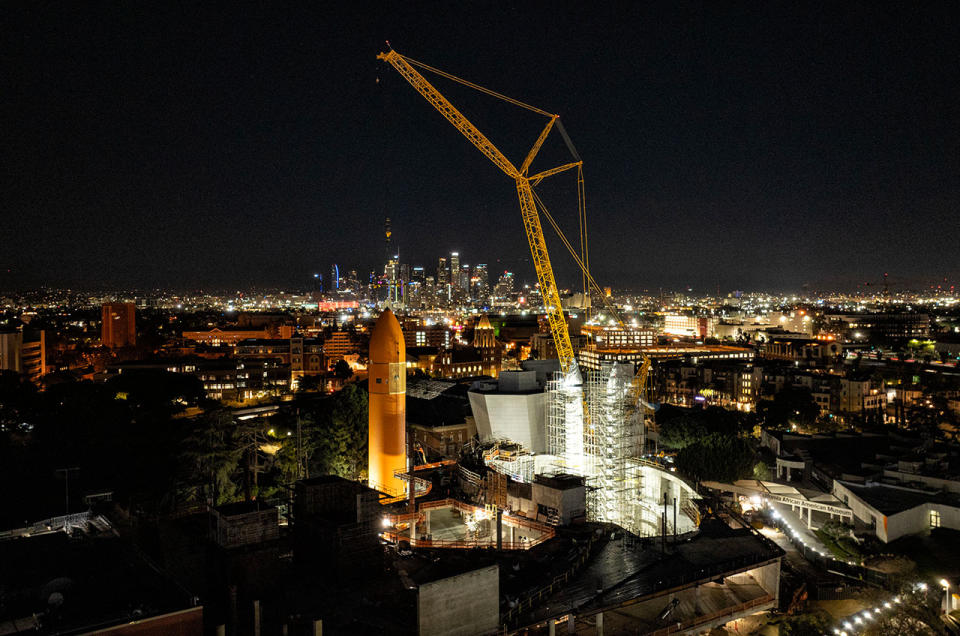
(529, 200)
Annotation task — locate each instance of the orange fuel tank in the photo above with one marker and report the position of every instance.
(387, 450)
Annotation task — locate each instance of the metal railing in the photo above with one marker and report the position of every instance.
(545, 591)
(712, 616)
(546, 532)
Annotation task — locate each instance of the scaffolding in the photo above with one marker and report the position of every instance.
(605, 450)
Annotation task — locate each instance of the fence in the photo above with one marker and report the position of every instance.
(707, 618)
(527, 601)
(54, 524)
(546, 532)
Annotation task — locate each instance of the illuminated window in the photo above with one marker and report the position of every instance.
(934, 518)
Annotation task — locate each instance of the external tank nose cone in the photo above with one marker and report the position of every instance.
(386, 339)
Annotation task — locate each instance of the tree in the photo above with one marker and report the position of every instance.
(791, 406)
(342, 370)
(761, 471)
(335, 432)
(212, 454)
(805, 625)
(310, 383)
(680, 432)
(916, 612)
(717, 457)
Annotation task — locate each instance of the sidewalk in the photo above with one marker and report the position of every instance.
(797, 528)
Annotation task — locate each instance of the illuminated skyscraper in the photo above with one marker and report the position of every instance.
(443, 277)
(334, 277)
(455, 270)
(481, 282)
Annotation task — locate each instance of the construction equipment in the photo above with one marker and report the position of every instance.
(528, 205)
(530, 202)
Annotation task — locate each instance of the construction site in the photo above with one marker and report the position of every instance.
(596, 421)
(630, 526)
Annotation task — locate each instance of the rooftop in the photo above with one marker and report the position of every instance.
(891, 500)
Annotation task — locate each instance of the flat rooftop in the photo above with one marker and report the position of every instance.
(621, 571)
(890, 500)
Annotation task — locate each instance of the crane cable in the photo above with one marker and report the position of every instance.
(487, 91)
(573, 252)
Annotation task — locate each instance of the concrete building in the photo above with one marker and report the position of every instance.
(88, 581)
(244, 523)
(559, 499)
(119, 326)
(305, 356)
(512, 407)
(460, 605)
(614, 337)
(690, 326)
(438, 416)
(891, 512)
(24, 352)
(878, 327)
(859, 394)
(335, 524)
(338, 345)
(218, 337)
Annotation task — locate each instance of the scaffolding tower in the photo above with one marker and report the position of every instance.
(606, 449)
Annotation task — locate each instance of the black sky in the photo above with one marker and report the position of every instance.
(745, 145)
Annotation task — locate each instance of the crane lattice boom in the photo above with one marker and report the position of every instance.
(528, 206)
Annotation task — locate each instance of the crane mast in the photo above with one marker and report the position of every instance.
(528, 205)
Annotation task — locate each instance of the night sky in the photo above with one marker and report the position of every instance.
(741, 145)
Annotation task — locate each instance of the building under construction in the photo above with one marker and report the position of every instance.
(596, 429)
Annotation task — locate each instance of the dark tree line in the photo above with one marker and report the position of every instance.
(158, 444)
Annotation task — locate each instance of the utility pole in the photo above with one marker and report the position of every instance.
(66, 489)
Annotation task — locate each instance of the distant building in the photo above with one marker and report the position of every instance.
(438, 416)
(616, 337)
(485, 341)
(119, 326)
(781, 345)
(232, 379)
(338, 345)
(455, 270)
(879, 327)
(218, 337)
(415, 335)
(304, 355)
(544, 347)
(690, 326)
